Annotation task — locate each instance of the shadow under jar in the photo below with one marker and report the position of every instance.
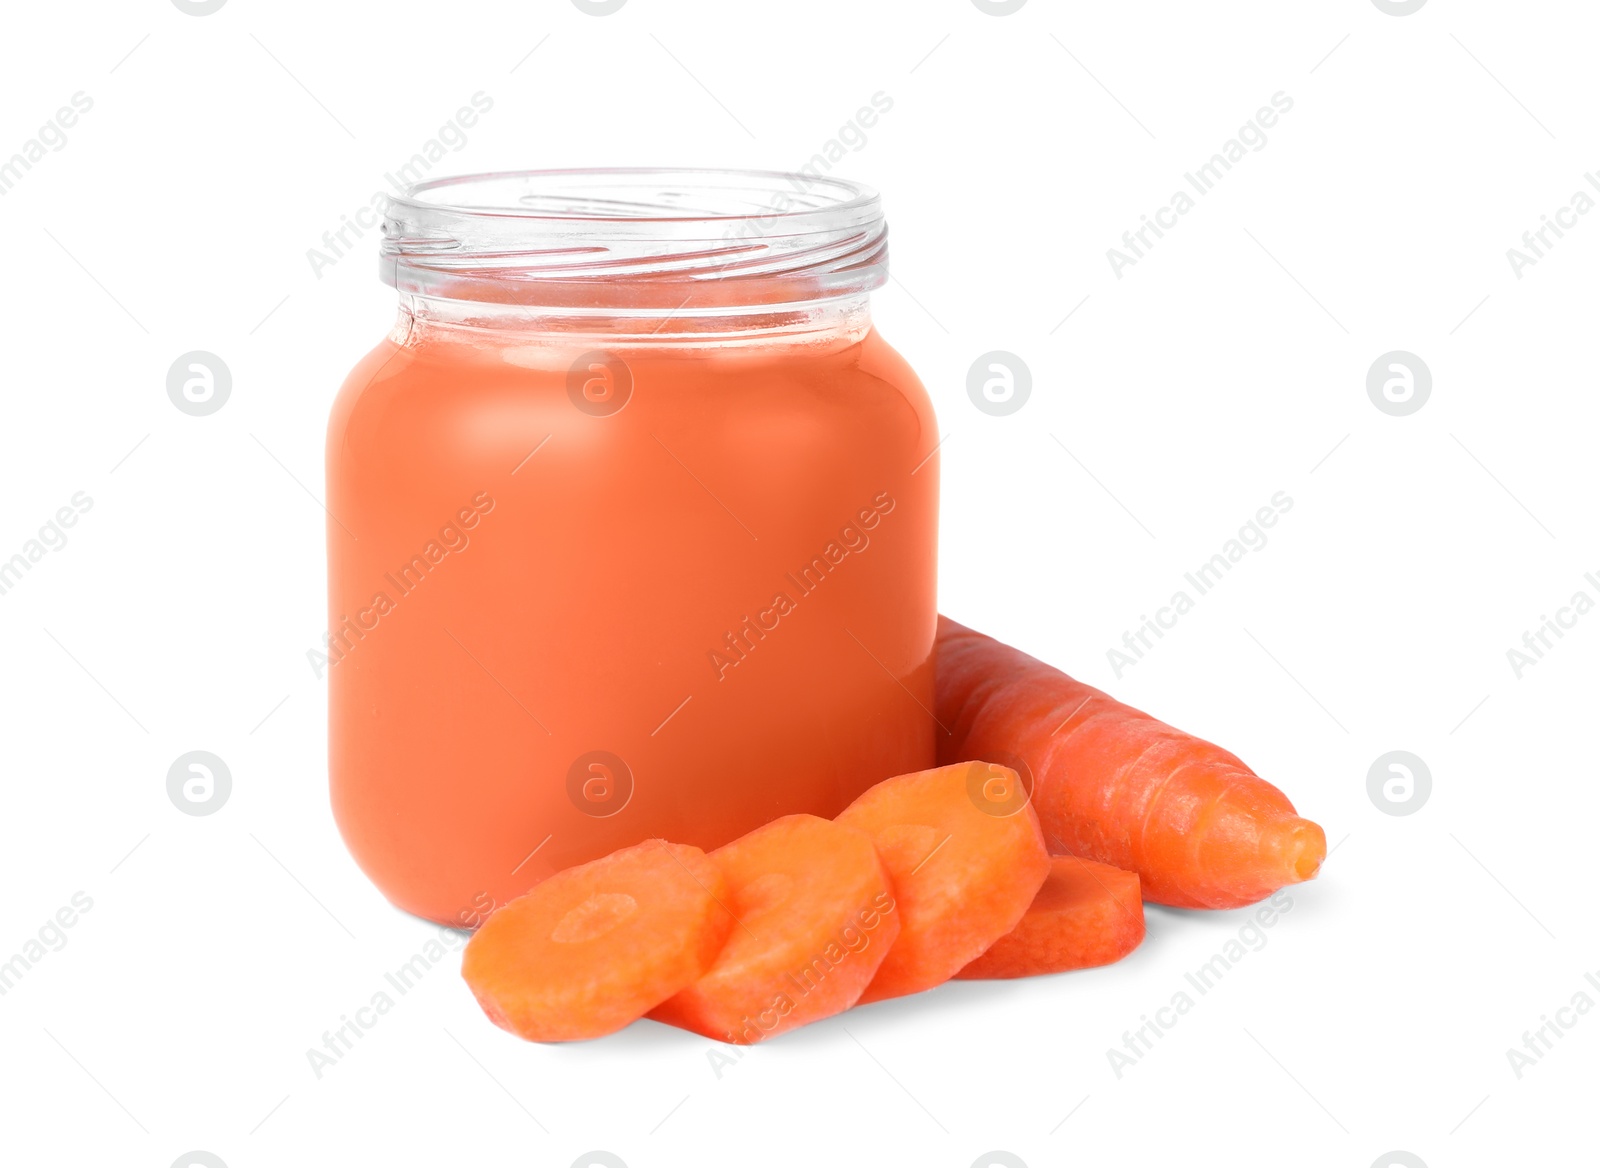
(632, 527)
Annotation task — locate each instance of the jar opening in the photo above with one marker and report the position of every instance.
(640, 241)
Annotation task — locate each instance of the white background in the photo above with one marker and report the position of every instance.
(1227, 365)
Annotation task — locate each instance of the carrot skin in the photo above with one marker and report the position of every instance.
(1085, 914)
(1113, 784)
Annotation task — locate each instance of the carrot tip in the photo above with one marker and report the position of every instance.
(1298, 846)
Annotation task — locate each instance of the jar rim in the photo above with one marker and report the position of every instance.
(849, 192)
(635, 237)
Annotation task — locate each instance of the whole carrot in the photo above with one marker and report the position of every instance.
(1113, 784)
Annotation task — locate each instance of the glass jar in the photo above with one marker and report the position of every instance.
(632, 527)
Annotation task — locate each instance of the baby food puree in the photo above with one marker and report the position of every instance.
(631, 528)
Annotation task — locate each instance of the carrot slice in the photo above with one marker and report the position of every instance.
(815, 919)
(1113, 784)
(1085, 914)
(594, 947)
(965, 857)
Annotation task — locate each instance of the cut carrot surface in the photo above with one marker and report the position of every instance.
(1200, 828)
(594, 947)
(965, 857)
(1085, 914)
(814, 918)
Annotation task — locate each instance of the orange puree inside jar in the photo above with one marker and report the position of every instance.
(632, 528)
